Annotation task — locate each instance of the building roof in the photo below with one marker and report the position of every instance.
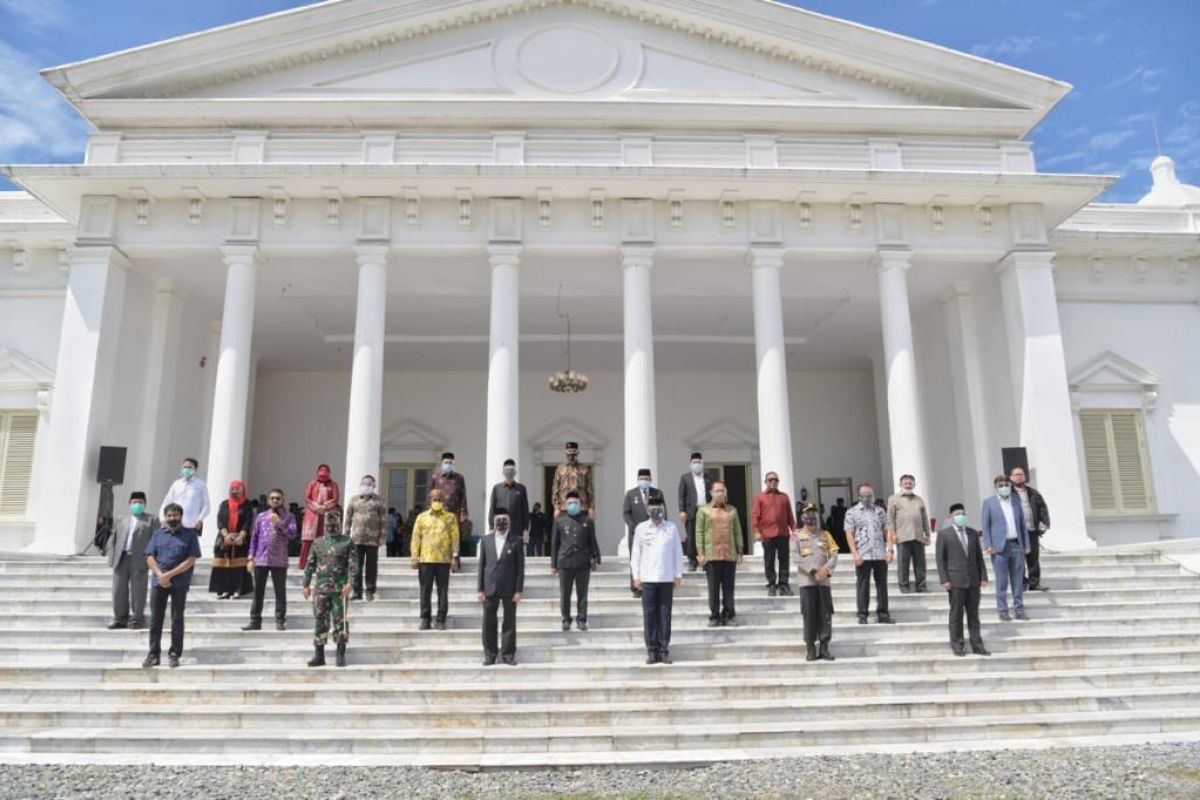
(1168, 191)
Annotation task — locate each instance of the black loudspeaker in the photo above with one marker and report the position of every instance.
(111, 469)
(1015, 457)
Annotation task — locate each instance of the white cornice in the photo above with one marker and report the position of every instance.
(933, 75)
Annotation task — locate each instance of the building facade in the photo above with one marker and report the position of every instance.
(348, 233)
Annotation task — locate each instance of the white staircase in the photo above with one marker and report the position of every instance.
(1111, 654)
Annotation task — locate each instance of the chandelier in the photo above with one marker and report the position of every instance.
(567, 380)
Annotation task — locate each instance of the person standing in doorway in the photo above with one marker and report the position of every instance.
(772, 523)
(719, 551)
(189, 493)
(537, 531)
(873, 547)
(572, 476)
(126, 558)
(909, 519)
(695, 490)
(321, 497)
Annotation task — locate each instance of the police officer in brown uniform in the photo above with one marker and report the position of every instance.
(816, 556)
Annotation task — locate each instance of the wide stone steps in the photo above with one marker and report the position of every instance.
(1111, 652)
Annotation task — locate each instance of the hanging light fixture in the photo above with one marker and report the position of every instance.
(568, 380)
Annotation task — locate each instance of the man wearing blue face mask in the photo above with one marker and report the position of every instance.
(636, 511)
(191, 494)
(132, 534)
(963, 574)
(1006, 541)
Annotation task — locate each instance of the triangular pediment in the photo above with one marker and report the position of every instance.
(19, 371)
(1109, 370)
(629, 51)
(411, 434)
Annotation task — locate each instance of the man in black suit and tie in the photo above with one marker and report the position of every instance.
(637, 511)
(130, 580)
(962, 573)
(501, 580)
(695, 490)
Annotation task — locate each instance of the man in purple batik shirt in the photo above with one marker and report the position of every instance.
(273, 529)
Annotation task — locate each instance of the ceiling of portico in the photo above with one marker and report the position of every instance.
(437, 312)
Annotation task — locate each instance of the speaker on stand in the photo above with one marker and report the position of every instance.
(110, 471)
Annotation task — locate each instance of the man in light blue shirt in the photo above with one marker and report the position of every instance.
(1006, 541)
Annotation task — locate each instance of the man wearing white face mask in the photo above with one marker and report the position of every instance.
(656, 563)
(189, 493)
(1006, 541)
(636, 511)
(366, 522)
(695, 490)
(453, 486)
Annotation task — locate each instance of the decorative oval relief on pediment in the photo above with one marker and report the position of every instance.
(567, 59)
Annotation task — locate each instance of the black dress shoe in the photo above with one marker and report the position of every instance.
(356, 596)
(136, 626)
(824, 654)
(885, 619)
(692, 567)
(117, 626)
(810, 652)
(440, 625)
(566, 624)
(151, 661)
(280, 625)
(729, 622)
(862, 620)
(665, 658)
(424, 626)
(489, 661)
(905, 590)
(509, 660)
(1004, 617)
(582, 625)
(652, 658)
(772, 591)
(922, 590)
(712, 623)
(252, 626)
(785, 590)
(980, 651)
(172, 660)
(1021, 615)
(958, 651)
(370, 597)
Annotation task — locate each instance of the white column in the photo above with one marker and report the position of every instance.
(641, 437)
(774, 411)
(503, 393)
(66, 490)
(363, 429)
(976, 456)
(903, 398)
(231, 392)
(1039, 374)
(154, 434)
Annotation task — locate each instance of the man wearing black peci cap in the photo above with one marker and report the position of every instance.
(131, 534)
(695, 490)
(574, 554)
(572, 476)
(511, 495)
(637, 510)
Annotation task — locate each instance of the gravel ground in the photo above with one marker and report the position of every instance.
(1148, 771)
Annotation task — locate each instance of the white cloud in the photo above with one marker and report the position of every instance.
(1011, 47)
(1141, 79)
(37, 14)
(35, 122)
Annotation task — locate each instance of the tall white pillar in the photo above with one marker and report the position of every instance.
(1039, 375)
(158, 400)
(364, 427)
(976, 455)
(66, 491)
(903, 397)
(231, 392)
(503, 392)
(641, 436)
(774, 411)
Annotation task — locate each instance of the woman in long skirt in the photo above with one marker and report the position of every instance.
(321, 497)
(231, 551)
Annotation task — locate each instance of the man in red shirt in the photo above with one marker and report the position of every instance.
(772, 520)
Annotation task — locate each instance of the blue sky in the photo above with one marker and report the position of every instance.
(1131, 62)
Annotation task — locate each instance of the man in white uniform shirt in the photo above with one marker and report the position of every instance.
(656, 563)
(190, 493)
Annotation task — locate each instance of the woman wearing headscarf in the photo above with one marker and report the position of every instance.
(321, 497)
(235, 517)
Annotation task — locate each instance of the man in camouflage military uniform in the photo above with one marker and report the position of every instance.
(573, 477)
(817, 553)
(332, 567)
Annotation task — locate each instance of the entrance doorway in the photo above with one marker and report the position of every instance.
(736, 478)
(548, 487)
(405, 485)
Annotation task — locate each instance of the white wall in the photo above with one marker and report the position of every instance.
(300, 420)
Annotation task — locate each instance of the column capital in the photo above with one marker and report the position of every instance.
(102, 254)
(887, 258)
(637, 256)
(1025, 259)
(367, 254)
(764, 257)
(502, 255)
(240, 254)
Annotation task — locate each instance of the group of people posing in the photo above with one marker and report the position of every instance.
(341, 538)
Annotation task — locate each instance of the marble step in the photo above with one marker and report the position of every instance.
(936, 661)
(362, 720)
(804, 681)
(440, 649)
(555, 746)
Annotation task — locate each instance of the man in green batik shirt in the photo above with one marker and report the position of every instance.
(330, 573)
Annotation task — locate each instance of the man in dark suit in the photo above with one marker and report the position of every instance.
(695, 490)
(637, 511)
(501, 580)
(131, 534)
(963, 573)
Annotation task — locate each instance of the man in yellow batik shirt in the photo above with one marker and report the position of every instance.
(434, 549)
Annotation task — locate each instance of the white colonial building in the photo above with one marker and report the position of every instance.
(341, 233)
